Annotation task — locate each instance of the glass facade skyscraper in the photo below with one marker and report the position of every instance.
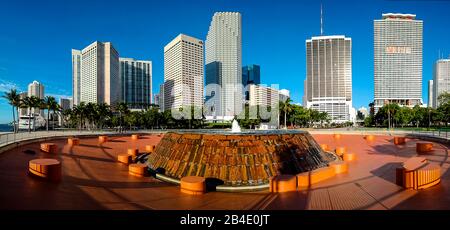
(441, 79)
(136, 82)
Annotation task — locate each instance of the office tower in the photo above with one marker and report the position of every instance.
(328, 84)
(441, 79)
(250, 75)
(76, 76)
(260, 95)
(99, 79)
(156, 99)
(430, 94)
(136, 83)
(23, 111)
(398, 60)
(36, 89)
(64, 104)
(183, 73)
(224, 65)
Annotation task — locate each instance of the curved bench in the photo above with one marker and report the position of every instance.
(309, 178)
(73, 141)
(133, 152)
(193, 185)
(49, 169)
(339, 167)
(418, 173)
(337, 136)
(283, 183)
(135, 137)
(139, 170)
(49, 147)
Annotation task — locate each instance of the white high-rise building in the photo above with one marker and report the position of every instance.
(441, 79)
(398, 60)
(99, 79)
(136, 82)
(224, 66)
(430, 94)
(328, 84)
(183, 73)
(36, 89)
(260, 95)
(76, 76)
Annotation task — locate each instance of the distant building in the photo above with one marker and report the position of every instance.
(224, 66)
(156, 99)
(23, 111)
(430, 94)
(136, 83)
(263, 96)
(161, 97)
(284, 95)
(250, 75)
(99, 79)
(65, 104)
(183, 73)
(441, 79)
(328, 84)
(398, 45)
(36, 89)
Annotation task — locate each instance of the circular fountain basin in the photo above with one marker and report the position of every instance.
(245, 159)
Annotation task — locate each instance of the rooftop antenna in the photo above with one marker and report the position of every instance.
(321, 20)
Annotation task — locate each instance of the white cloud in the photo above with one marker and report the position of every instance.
(8, 85)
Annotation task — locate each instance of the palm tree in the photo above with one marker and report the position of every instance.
(31, 103)
(103, 113)
(50, 104)
(14, 100)
(286, 107)
(79, 112)
(122, 108)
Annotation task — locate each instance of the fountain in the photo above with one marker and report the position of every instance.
(245, 158)
(235, 128)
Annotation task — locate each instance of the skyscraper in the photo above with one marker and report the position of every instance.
(328, 84)
(398, 60)
(224, 65)
(441, 79)
(136, 82)
(36, 89)
(183, 73)
(76, 76)
(250, 75)
(99, 79)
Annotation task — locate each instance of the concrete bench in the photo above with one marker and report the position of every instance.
(135, 137)
(399, 140)
(283, 183)
(49, 169)
(193, 185)
(102, 139)
(134, 152)
(124, 158)
(325, 147)
(309, 178)
(369, 138)
(424, 147)
(337, 136)
(349, 157)
(139, 170)
(340, 151)
(49, 147)
(150, 148)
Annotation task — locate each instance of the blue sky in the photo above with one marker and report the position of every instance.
(36, 37)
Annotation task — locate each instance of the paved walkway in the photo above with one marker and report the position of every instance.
(92, 179)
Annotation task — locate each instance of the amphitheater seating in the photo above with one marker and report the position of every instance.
(193, 185)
